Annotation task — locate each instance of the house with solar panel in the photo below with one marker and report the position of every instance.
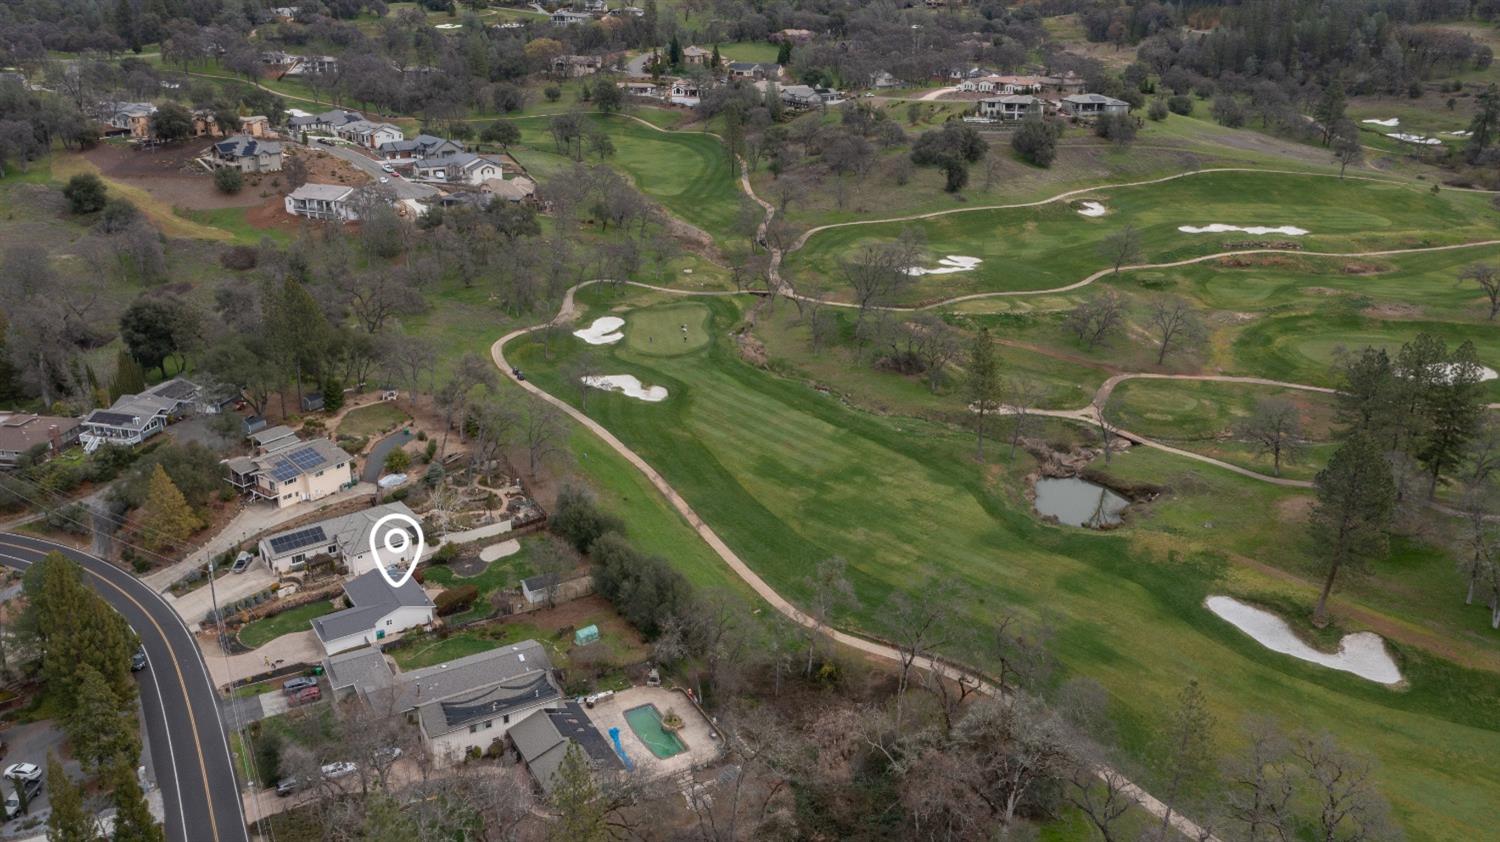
(472, 702)
(248, 154)
(347, 538)
(377, 612)
(132, 419)
(287, 470)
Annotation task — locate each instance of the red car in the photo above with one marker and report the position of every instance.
(305, 696)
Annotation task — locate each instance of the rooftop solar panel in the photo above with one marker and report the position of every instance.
(284, 470)
(115, 418)
(297, 540)
(306, 457)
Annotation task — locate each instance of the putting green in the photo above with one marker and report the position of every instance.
(658, 331)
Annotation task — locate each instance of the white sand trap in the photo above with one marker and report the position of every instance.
(1459, 134)
(1090, 209)
(628, 384)
(1444, 370)
(1415, 138)
(1221, 228)
(1362, 653)
(604, 331)
(947, 266)
(498, 551)
(1390, 122)
(449, 26)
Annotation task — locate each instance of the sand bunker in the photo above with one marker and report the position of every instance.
(629, 385)
(1362, 653)
(449, 26)
(1090, 209)
(498, 551)
(1389, 123)
(947, 266)
(1415, 138)
(1221, 228)
(603, 331)
(1444, 370)
(1459, 134)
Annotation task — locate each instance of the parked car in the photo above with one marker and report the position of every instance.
(341, 769)
(385, 756)
(306, 695)
(138, 660)
(287, 786)
(242, 562)
(387, 168)
(23, 771)
(301, 682)
(385, 179)
(13, 802)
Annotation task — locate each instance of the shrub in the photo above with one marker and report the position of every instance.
(1228, 113)
(397, 461)
(431, 452)
(238, 258)
(1158, 110)
(454, 600)
(434, 475)
(118, 215)
(228, 180)
(552, 92)
(1180, 105)
(1036, 142)
(445, 554)
(85, 193)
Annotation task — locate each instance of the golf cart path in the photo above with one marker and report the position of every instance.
(864, 645)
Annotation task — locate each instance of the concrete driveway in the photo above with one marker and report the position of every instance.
(403, 189)
(194, 605)
(299, 648)
(31, 743)
(375, 461)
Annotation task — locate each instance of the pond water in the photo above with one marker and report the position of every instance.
(1077, 502)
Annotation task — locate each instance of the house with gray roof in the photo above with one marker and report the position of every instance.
(542, 742)
(757, 70)
(459, 168)
(1013, 107)
(347, 538)
(22, 431)
(1089, 106)
(287, 470)
(421, 146)
(248, 154)
(324, 123)
(369, 134)
(326, 202)
(376, 612)
(132, 419)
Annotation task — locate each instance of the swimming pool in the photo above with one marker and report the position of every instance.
(645, 721)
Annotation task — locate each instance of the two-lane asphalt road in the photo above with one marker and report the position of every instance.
(188, 743)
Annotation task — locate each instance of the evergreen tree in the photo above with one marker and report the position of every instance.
(784, 53)
(74, 629)
(69, 821)
(1485, 127)
(167, 512)
(133, 821)
(333, 395)
(674, 52)
(100, 726)
(576, 798)
(982, 388)
(716, 61)
(1330, 108)
(1185, 752)
(1367, 393)
(1351, 520)
(130, 378)
(1452, 410)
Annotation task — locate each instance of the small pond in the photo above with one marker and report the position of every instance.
(1077, 502)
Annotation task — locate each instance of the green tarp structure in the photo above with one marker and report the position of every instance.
(585, 635)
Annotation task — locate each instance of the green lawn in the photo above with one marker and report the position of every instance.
(496, 576)
(372, 420)
(430, 650)
(788, 475)
(261, 632)
(1052, 245)
(658, 330)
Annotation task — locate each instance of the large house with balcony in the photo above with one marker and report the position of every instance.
(1014, 107)
(132, 419)
(326, 202)
(458, 168)
(287, 470)
(1090, 106)
(348, 538)
(248, 154)
(368, 134)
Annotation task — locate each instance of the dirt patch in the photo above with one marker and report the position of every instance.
(172, 175)
(323, 168)
(1246, 261)
(1361, 267)
(1322, 291)
(1294, 509)
(1393, 310)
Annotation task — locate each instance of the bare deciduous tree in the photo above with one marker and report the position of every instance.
(1275, 428)
(1121, 246)
(1262, 784)
(1175, 324)
(1350, 809)
(1097, 318)
(1488, 279)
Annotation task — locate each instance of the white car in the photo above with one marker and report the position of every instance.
(13, 802)
(385, 180)
(387, 168)
(341, 769)
(24, 771)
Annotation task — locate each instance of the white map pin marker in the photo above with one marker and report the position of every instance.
(397, 542)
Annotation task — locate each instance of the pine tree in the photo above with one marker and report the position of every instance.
(1185, 752)
(784, 53)
(69, 821)
(1453, 409)
(1351, 520)
(1330, 108)
(576, 798)
(171, 518)
(130, 378)
(75, 629)
(982, 386)
(1485, 126)
(674, 52)
(101, 728)
(716, 61)
(133, 821)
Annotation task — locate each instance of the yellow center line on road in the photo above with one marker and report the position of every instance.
(181, 684)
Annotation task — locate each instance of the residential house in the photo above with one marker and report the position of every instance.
(460, 168)
(1090, 106)
(641, 88)
(22, 431)
(759, 71)
(516, 189)
(568, 17)
(248, 154)
(884, 79)
(542, 742)
(312, 65)
(287, 470)
(792, 36)
(1013, 107)
(376, 612)
(257, 125)
(325, 123)
(328, 202)
(683, 92)
(807, 96)
(348, 538)
(1068, 83)
(473, 702)
(132, 119)
(132, 419)
(696, 56)
(421, 146)
(369, 134)
(572, 67)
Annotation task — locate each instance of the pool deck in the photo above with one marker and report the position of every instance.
(699, 737)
